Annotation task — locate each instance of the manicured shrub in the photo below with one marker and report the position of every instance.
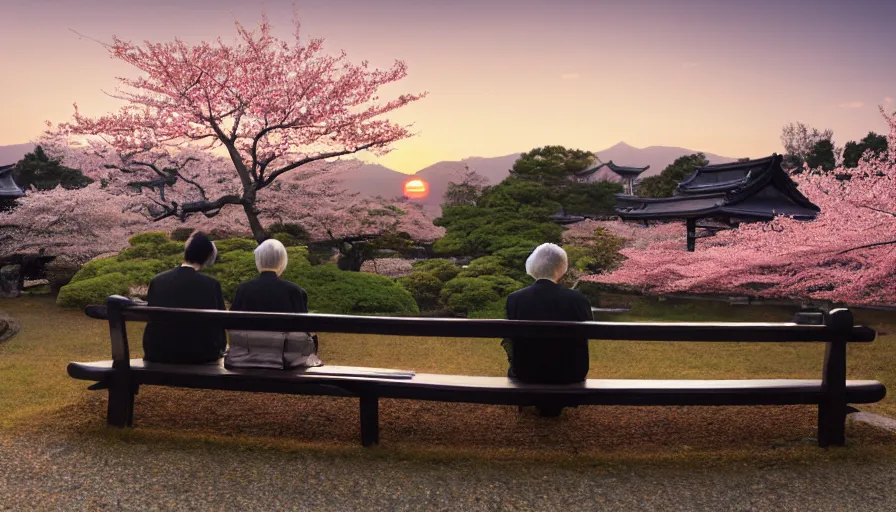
(93, 291)
(286, 239)
(465, 294)
(138, 271)
(233, 268)
(485, 266)
(235, 244)
(296, 231)
(331, 290)
(502, 285)
(443, 269)
(150, 237)
(424, 287)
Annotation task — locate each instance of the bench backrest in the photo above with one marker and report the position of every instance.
(837, 330)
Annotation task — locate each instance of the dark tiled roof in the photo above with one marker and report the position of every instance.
(756, 189)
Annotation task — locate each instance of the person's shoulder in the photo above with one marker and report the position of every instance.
(293, 287)
(520, 293)
(205, 278)
(165, 275)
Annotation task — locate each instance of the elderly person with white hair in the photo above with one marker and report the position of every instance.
(560, 361)
(186, 287)
(267, 292)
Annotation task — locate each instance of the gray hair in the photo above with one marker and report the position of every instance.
(547, 261)
(271, 256)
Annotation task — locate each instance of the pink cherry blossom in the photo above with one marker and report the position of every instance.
(271, 106)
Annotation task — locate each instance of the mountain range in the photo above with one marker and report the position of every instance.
(377, 180)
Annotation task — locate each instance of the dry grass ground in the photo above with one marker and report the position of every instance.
(36, 393)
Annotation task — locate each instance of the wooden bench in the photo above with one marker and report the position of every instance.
(122, 376)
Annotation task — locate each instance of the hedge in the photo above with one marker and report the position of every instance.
(93, 291)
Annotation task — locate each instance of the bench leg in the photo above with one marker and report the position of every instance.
(831, 424)
(370, 420)
(120, 411)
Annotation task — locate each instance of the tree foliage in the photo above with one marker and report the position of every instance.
(853, 151)
(663, 184)
(37, 170)
(800, 141)
(466, 190)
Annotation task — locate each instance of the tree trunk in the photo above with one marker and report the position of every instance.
(258, 232)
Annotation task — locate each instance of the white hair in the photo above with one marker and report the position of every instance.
(271, 256)
(547, 261)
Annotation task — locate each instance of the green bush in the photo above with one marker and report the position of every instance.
(443, 269)
(465, 294)
(93, 291)
(485, 266)
(424, 287)
(150, 237)
(181, 234)
(598, 254)
(502, 285)
(138, 272)
(235, 244)
(331, 290)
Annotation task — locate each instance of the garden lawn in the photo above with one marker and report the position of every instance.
(35, 391)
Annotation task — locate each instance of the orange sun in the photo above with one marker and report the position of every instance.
(416, 189)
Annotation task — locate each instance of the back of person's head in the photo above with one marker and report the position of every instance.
(547, 261)
(200, 250)
(270, 256)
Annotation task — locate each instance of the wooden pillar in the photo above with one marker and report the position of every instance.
(692, 234)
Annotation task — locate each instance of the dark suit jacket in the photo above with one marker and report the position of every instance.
(172, 342)
(548, 361)
(269, 293)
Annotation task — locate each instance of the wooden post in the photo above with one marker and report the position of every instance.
(370, 419)
(120, 411)
(692, 234)
(832, 408)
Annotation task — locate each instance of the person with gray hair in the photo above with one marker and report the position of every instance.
(560, 361)
(186, 287)
(269, 293)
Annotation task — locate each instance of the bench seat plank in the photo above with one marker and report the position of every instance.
(384, 383)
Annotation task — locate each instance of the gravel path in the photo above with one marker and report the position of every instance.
(91, 473)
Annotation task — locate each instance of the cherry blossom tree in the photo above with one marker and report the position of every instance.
(79, 223)
(848, 254)
(273, 106)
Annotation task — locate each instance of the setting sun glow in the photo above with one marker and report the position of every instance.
(416, 189)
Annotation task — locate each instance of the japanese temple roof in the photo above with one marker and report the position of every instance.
(8, 187)
(755, 189)
(626, 172)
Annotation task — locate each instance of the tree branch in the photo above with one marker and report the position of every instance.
(270, 179)
(867, 246)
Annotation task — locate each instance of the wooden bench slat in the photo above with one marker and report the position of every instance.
(480, 389)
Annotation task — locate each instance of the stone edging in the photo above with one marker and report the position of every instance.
(8, 328)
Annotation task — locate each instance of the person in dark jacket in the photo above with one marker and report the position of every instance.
(555, 361)
(185, 287)
(269, 293)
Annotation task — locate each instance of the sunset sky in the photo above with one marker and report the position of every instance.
(506, 76)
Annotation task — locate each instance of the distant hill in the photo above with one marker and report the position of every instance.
(14, 153)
